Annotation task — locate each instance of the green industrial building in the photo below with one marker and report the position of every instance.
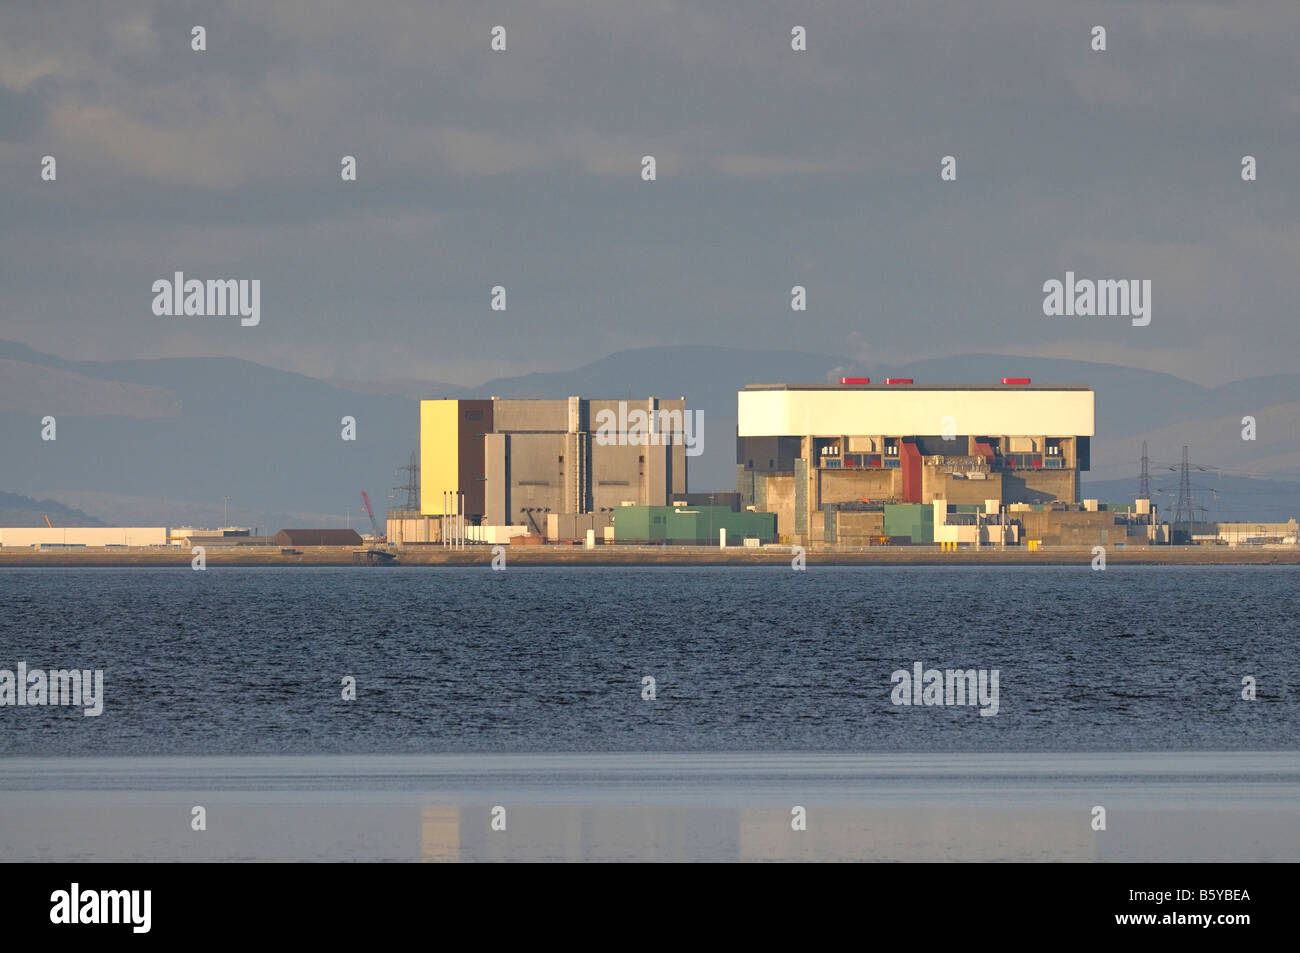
(914, 521)
(697, 525)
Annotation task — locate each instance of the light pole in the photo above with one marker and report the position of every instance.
(225, 512)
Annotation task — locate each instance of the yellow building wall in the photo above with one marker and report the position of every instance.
(439, 453)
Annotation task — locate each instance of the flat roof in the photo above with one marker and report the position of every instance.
(906, 387)
(785, 409)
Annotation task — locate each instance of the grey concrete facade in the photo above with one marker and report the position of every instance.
(577, 456)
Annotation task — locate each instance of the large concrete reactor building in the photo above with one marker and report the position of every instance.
(802, 447)
(514, 462)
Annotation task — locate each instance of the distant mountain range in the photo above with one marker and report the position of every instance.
(163, 441)
(18, 510)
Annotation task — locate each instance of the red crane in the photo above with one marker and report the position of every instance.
(365, 505)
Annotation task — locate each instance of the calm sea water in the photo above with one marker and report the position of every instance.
(250, 661)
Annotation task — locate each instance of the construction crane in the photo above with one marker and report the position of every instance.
(47, 521)
(365, 505)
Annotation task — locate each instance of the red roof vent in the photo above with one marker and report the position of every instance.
(855, 380)
(898, 380)
(1015, 380)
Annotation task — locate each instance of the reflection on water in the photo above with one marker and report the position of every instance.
(679, 807)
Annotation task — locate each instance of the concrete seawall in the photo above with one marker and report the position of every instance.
(658, 556)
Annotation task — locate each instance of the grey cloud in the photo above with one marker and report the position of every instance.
(776, 168)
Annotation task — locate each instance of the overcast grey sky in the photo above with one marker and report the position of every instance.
(775, 168)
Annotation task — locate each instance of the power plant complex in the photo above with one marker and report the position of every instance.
(847, 464)
(802, 449)
(839, 466)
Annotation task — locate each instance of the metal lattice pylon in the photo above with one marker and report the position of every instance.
(411, 488)
(1183, 515)
(1144, 490)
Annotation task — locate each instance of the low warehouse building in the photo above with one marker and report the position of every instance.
(852, 526)
(691, 525)
(565, 527)
(1102, 524)
(83, 536)
(1248, 534)
(909, 522)
(317, 537)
